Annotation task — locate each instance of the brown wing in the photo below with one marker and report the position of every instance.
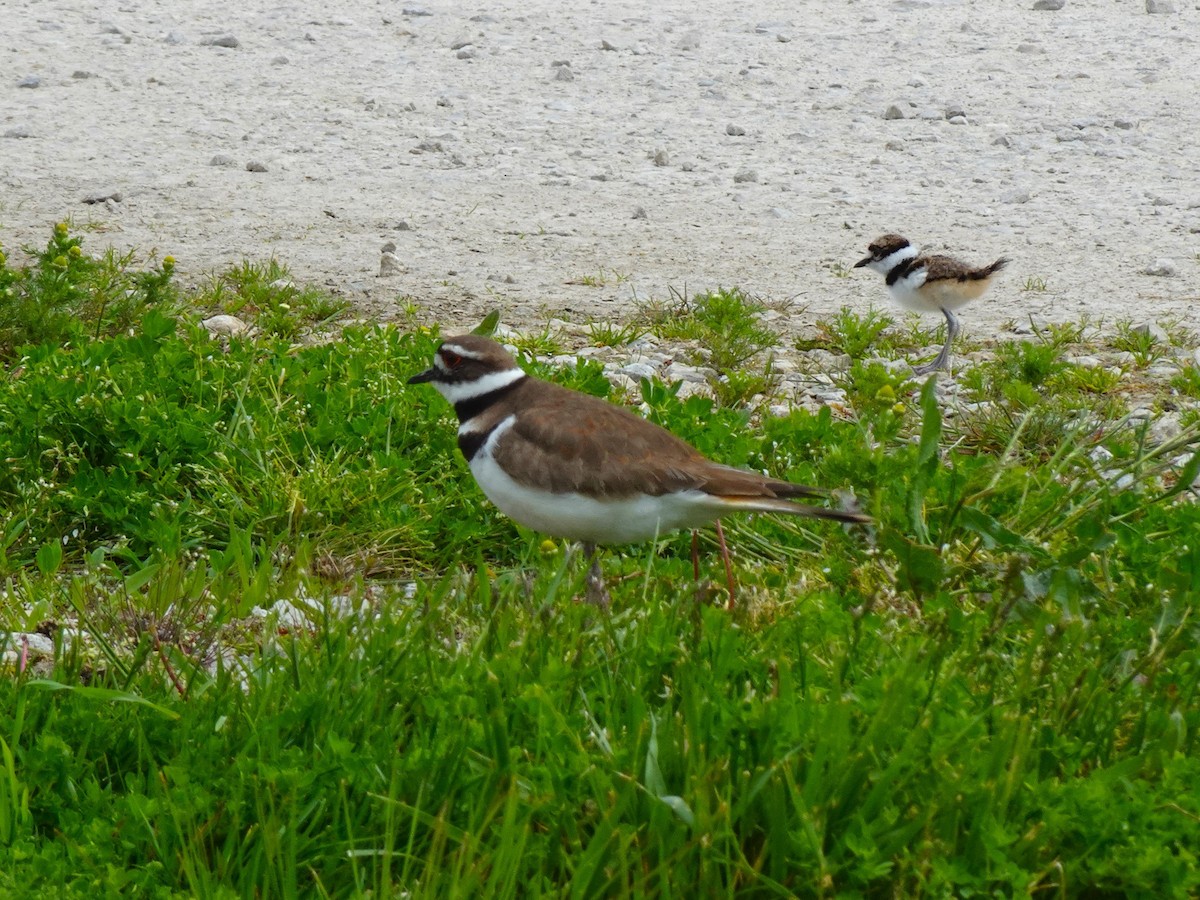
(609, 450)
(946, 268)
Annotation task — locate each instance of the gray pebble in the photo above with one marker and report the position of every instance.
(1050, 4)
(607, 45)
(958, 120)
(101, 196)
(18, 131)
(1161, 6)
(415, 11)
(640, 213)
(222, 159)
(1029, 48)
(1152, 329)
(661, 157)
(638, 370)
(1085, 362)
(230, 326)
(460, 43)
(223, 40)
(895, 111)
(564, 73)
(175, 37)
(955, 109)
(403, 225)
(1016, 195)
(280, 61)
(1123, 124)
(734, 130)
(255, 166)
(389, 262)
(465, 53)
(1163, 268)
(30, 81)
(745, 176)
(82, 74)
(894, 145)
(1164, 427)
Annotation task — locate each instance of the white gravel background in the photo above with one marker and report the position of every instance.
(448, 129)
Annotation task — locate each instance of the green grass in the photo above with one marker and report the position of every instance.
(730, 333)
(991, 691)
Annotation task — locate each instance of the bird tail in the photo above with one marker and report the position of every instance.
(989, 271)
(791, 508)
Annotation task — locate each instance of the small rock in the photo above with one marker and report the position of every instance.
(230, 326)
(894, 145)
(174, 38)
(1123, 124)
(1161, 6)
(640, 213)
(955, 109)
(102, 195)
(82, 74)
(1051, 5)
(223, 40)
(661, 157)
(1162, 268)
(745, 176)
(958, 120)
(255, 166)
(564, 73)
(895, 111)
(415, 11)
(389, 262)
(638, 370)
(607, 45)
(465, 53)
(1016, 195)
(30, 81)
(280, 61)
(1152, 330)
(222, 159)
(734, 130)
(18, 131)
(403, 225)
(460, 43)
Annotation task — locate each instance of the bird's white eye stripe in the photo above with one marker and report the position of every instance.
(458, 351)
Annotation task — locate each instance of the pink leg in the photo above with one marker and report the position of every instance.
(728, 565)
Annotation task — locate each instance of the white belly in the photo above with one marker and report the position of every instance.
(576, 517)
(907, 292)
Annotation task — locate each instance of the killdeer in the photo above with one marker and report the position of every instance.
(574, 466)
(928, 284)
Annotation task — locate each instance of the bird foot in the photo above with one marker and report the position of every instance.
(597, 590)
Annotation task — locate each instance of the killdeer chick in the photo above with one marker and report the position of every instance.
(928, 284)
(574, 466)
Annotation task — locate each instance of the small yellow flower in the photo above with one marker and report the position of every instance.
(60, 261)
(75, 252)
(548, 547)
(887, 392)
(62, 228)
(899, 409)
(168, 263)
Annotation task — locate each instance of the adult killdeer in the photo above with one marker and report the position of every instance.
(574, 466)
(928, 284)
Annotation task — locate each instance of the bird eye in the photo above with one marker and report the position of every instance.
(453, 360)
